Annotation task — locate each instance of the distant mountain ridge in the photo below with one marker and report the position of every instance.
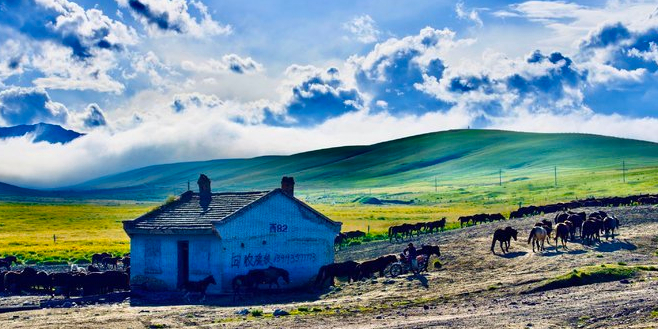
(43, 132)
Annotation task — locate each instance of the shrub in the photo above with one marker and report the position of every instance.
(587, 275)
(257, 312)
(302, 309)
(354, 243)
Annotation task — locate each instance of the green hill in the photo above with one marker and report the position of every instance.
(457, 157)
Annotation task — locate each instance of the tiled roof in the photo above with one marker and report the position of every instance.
(187, 214)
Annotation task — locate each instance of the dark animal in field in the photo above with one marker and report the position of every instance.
(9, 259)
(504, 236)
(537, 237)
(92, 269)
(16, 282)
(577, 219)
(328, 272)
(111, 261)
(590, 231)
(598, 215)
(269, 276)
(240, 281)
(339, 240)
(561, 217)
(199, 287)
(496, 217)
(398, 231)
(42, 281)
(436, 225)
(370, 267)
(97, 259)
(355, 234)
(572, 230)
(562, 232)
(429, 250)
(610, 224)
(465, 220)
(96, 283)
(548, 226)
(66, 283)
(418, 228)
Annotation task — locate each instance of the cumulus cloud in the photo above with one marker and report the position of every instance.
(228, 63)
(312, 95)
(173, 16)
(363, 28)
(67, 23)
(20, 105)
(393, 70)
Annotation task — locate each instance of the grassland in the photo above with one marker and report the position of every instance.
(27, 229)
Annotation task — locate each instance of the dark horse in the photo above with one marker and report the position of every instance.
(269, 276)
(198, 287)
(610, 223)
(369, 267)
(430, 250)
(241, 281)
(402, 230)
(436, 225)
(330, 271)
(504, 236)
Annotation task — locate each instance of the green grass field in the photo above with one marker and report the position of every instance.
(449, 174)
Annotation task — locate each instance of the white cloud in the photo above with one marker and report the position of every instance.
(167, 17)
(228, 63)
(466, 14)
(363, 28)
(19, 105)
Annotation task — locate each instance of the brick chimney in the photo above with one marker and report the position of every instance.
(205, 193)
(288, 185)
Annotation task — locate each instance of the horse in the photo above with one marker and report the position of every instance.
(504, 236)
(355, 234)
(610, 223)
(464, 219)
(269, 276)
(198, 287)
(496, 217)
(548, 226)
(577, 219)
(98, 258)
(330, 271)
(562, 231)
(241, 281)
(339, 240)
(561, 217)
(369, 267)
(107, 261)
(537, 236)
(590, 231)
(572, 230)
(429, 250)
(438, 225)
(402, 230)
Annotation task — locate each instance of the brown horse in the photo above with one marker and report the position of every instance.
(330, 271)
(610, 223)
(504, 236)
(199, 287)
(269, 276)
(436, 225)
(370, 267)
(562, 232)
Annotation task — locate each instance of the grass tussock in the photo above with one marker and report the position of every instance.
(587, 275)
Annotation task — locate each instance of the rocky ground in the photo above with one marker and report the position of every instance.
(473, 289)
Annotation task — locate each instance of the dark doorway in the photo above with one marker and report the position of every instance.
(183, 262)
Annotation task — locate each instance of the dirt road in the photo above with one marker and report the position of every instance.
(473, 289)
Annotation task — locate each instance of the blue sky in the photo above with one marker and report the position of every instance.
(157, 81)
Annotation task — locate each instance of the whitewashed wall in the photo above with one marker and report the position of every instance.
(298, 243)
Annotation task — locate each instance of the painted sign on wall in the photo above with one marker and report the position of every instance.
(267, 259)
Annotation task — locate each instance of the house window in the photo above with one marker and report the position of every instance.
(152, 256)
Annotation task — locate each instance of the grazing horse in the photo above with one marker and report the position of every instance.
(562, 231)
(269, 276)
(590, 231)
(610, 223)
(430, 250)
(355, 234)
(577, 219)
(464, 220)
(330, 271)
(561, 217)
(537, 236)
(504, 236)
(98, 258)
(198, 287)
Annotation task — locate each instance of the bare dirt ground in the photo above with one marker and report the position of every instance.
(473, 289)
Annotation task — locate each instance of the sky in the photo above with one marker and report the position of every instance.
(161, 81)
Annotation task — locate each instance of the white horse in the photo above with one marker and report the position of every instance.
(537, 237)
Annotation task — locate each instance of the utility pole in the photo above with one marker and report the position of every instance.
(623, 170)
(500, 177)
(555, 175)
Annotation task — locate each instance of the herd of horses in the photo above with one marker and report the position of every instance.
(101, 277)
(408, 230)
(568, 224)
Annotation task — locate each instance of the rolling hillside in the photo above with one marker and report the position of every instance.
(458, 157)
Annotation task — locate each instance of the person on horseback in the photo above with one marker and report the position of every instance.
(410, 253)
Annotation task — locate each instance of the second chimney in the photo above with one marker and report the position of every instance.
(288, 185)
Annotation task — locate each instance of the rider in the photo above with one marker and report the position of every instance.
(411, 253)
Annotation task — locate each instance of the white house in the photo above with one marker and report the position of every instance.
(227, 234)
